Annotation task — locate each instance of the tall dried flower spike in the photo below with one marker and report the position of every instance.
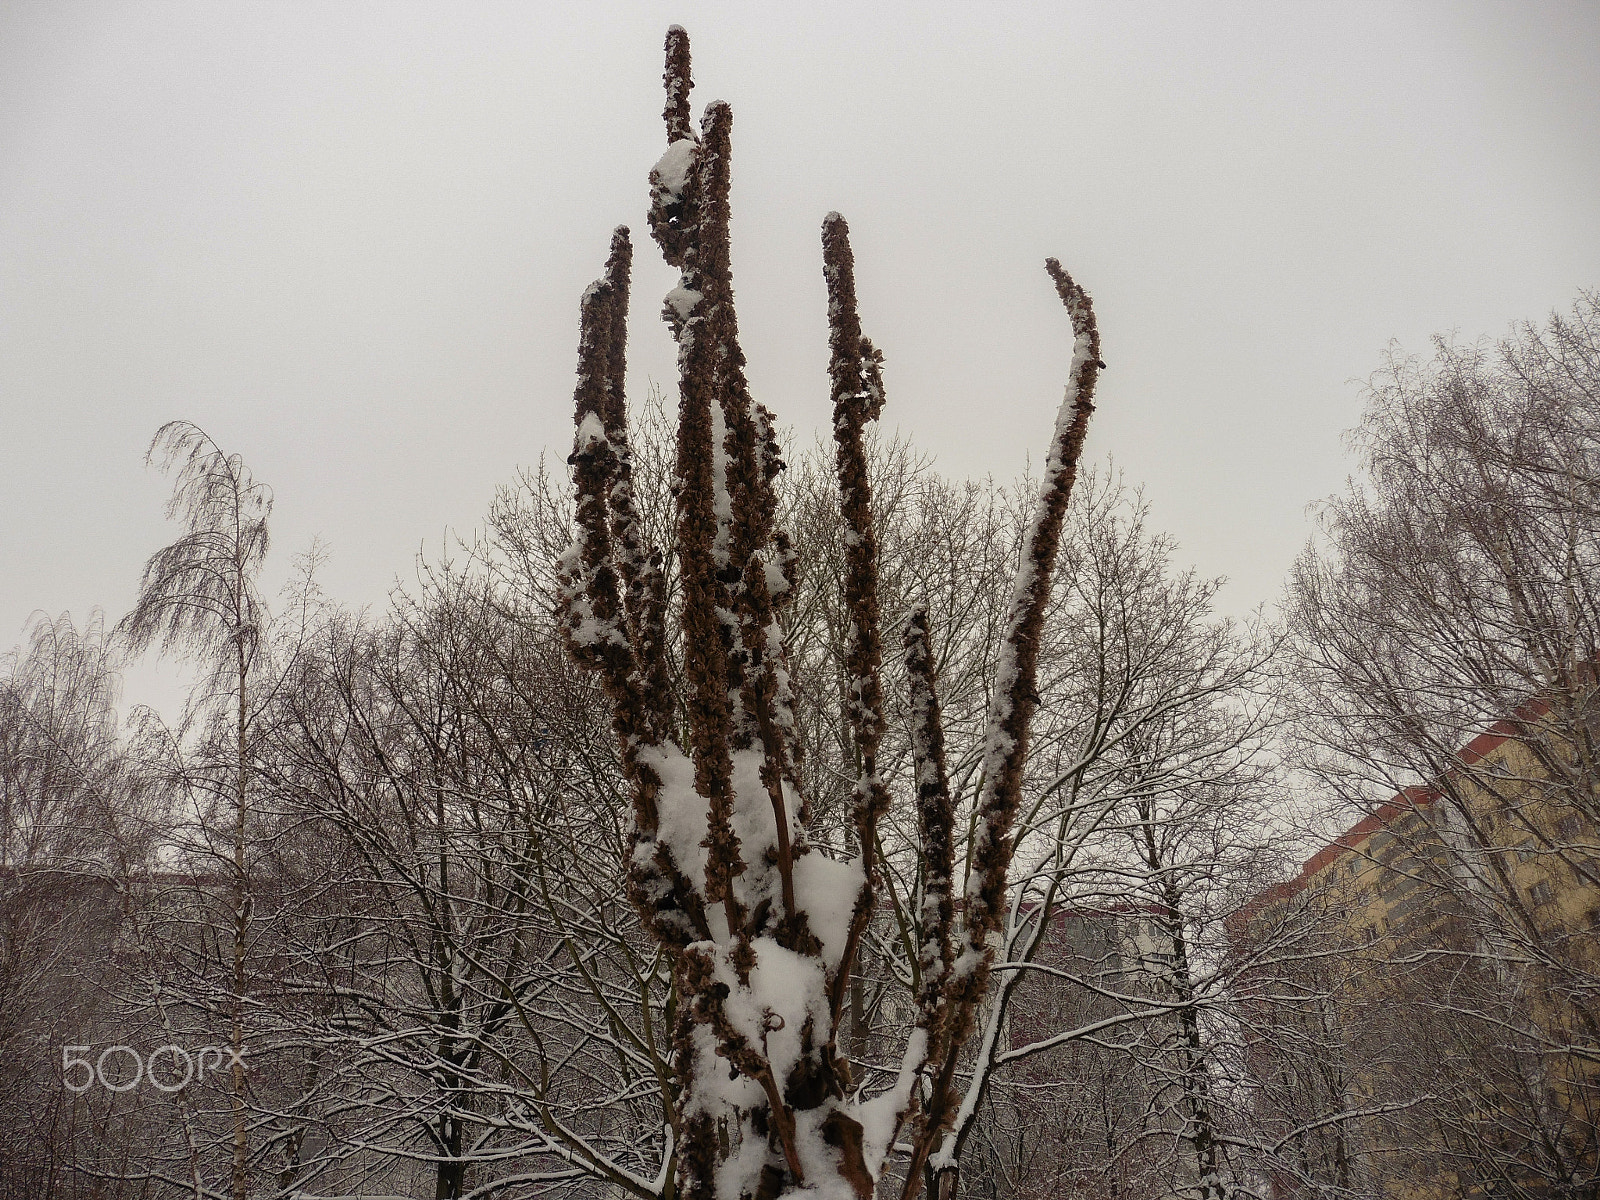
(678, 83)
(857, 397)
(1010, 716)
(762, 931)
(935, 824)
(607, 560)
(673, 182)
(1016, 694)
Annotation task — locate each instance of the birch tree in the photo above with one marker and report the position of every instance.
(199, 596)
(1445, 630)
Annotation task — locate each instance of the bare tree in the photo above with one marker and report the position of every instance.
(75, 826)
(1145, 816)
(483, 998)
(198, 596)
(1446, 634)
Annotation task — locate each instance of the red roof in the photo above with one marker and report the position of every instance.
(1405, 800)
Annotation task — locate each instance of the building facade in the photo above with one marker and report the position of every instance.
(1454, 965)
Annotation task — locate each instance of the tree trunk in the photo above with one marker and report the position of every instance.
(452, 1171)
(241, 923)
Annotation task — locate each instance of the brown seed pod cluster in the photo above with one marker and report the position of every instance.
(762, 931)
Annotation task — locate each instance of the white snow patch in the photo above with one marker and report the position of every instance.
(591, 433)
(683, 815)
(827, 891)
(591, 631)
(880, 1115)
(785, 988)
(772, 568)
(969, 962)
(672, 168)
(682, 301)
(752, 820)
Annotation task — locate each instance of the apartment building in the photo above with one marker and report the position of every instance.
(1456, 966)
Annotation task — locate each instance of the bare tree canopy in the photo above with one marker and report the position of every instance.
(1446, 635)
(198, 593)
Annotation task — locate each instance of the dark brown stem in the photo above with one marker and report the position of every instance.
(936, 839)
(1011, 713)
(609, 554)
(678, 83)
(935, 819)
(783, 1119)
(855, 373)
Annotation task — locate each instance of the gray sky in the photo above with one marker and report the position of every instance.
(348, 240)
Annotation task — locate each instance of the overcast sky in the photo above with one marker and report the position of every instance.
(348, 240)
